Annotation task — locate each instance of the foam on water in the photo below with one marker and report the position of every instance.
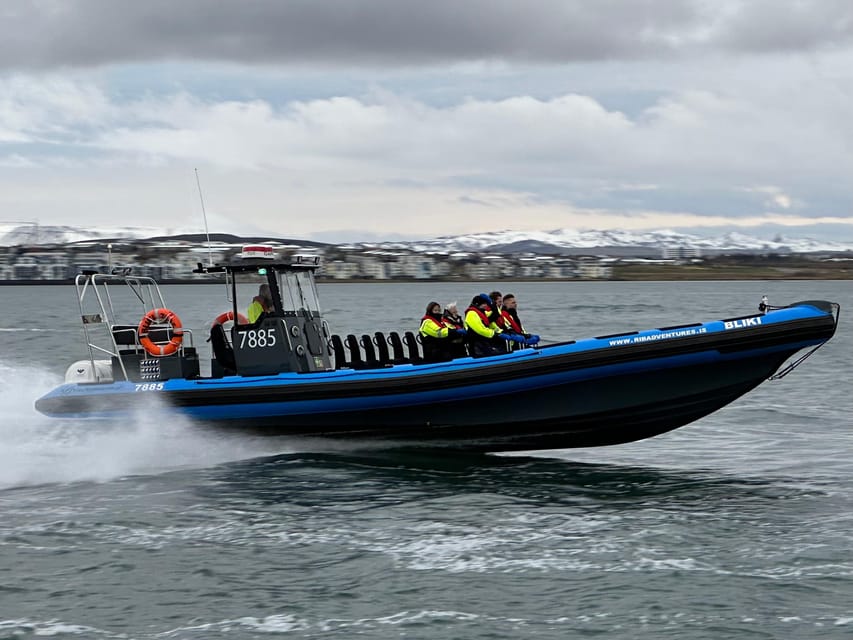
(434, 622)
(50, 628)
(41, 450)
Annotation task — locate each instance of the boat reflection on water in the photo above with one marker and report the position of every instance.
(376, 478)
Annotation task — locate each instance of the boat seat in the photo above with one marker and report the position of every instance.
(339, 351)
(223, 352)
(125, 334)
(397, 353)
(370, 359)
(411, 343)
(382, 349)
(355, 359)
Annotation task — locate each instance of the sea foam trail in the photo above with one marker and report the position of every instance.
(41, 450)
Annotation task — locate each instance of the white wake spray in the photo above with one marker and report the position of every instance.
(40, 450)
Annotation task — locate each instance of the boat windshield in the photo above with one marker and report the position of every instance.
(298, 291)
(247, 286)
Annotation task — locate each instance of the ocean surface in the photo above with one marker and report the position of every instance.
(737, 526)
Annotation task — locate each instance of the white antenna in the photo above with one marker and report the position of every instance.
(204, 213)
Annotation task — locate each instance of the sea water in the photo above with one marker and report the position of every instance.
(737, 526)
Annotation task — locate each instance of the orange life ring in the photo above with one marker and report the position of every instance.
(160, 316)
(228, 316)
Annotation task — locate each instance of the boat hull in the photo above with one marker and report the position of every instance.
(601, 391)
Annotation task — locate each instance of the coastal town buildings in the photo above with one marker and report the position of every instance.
(175, 260)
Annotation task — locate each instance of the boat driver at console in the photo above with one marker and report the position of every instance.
(261, 303)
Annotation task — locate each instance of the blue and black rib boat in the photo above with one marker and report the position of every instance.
(287, 373)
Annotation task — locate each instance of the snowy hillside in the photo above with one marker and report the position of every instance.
(591, 239)
(16, 233)
(513, 241)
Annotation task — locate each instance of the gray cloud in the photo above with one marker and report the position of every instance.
(38, 34)
(773, 26)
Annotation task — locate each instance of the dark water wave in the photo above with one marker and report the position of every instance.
(422, 544)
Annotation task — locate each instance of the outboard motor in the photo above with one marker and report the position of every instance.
(83, 371)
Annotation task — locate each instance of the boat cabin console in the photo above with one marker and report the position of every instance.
(291, 335)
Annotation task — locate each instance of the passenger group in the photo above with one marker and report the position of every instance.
(491, 326)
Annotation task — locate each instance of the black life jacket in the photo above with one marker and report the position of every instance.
(454, 322)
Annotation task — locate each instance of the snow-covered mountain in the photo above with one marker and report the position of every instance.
(12, 233)
(566, 239)
(497, 241)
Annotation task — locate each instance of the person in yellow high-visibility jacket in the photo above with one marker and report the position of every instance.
(436, 336)
(261, 303)
(485, 337)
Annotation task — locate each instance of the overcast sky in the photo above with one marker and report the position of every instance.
(380, 119)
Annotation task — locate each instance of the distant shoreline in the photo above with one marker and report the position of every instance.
(721, 275)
